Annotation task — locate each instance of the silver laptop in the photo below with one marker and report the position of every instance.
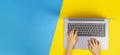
(87, 28)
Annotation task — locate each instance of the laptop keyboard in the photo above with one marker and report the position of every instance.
(88, 29)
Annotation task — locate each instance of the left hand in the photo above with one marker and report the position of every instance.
(72, 38)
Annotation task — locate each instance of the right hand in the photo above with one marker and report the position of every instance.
(94, 46)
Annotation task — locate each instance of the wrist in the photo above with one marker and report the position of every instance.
(96, 53)
(70, 45)
(68, 50)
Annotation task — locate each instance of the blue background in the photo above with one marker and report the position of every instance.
(27, 26)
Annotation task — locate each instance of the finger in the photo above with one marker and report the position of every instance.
(76, 32)
(89, 47)
(93, 41)
(98, 42)
(72, 32)
(90, 43)
(76, 38)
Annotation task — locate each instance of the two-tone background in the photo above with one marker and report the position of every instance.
(35, 27)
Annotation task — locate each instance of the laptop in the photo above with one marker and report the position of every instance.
(87, 28)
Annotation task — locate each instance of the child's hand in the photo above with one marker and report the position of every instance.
(94, 46)
(71, 41)
(72, 38)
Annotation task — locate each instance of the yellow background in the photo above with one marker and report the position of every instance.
(89, 9)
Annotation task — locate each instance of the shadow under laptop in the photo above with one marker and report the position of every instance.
(84, 14)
